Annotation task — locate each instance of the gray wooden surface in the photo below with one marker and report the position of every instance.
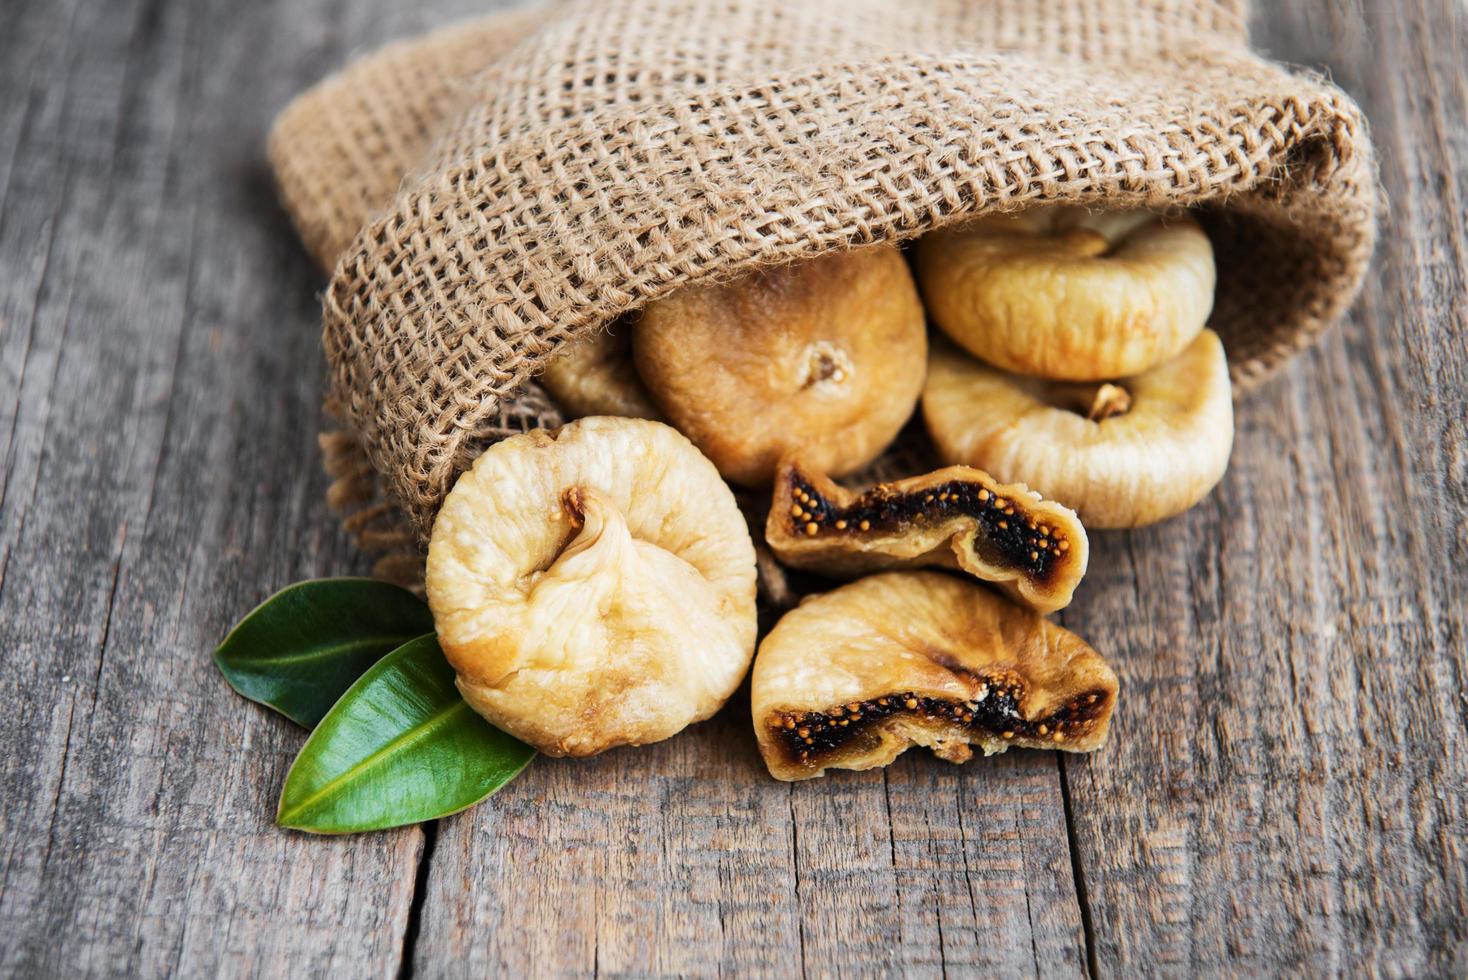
(1286, 787)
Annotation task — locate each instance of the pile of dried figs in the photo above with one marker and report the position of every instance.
(596, 586)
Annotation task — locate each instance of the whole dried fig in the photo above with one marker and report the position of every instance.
(825, 357)
(593, 586)
(1062, 292)
(1122, 455)
(595, 376)
(853, 678)
(1035, 550)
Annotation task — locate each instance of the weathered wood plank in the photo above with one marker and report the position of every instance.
(161, 474)
(686, 858)
(1287, 789)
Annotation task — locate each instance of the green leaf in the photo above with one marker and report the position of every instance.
(401, 746)
(305, 645)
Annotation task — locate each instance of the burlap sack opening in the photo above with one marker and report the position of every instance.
(571, 163)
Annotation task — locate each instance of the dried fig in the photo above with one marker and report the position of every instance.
(593, 586)
(1062, 292)
(595, 376)
(825, 357)
(852, 678)
(1033, 549)
(1122, 455)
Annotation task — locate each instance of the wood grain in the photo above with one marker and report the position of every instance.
(685, 858)
(1286, 787)
(1292, 652)
(160, 476)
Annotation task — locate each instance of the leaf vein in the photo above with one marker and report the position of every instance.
(391, 641)
(403, 741)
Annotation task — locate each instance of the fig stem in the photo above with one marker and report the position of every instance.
(1108, 401)
(573, 502)
(1085, 243)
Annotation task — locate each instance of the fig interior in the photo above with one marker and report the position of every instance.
(1010, 536)
(812, 737)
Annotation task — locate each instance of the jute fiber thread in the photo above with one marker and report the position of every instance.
(570, 164)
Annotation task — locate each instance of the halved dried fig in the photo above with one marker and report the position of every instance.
(1062, 292)
(593, 586)
(958, 517)
(1122, 455)
(825, 357)
(595, 376)
(853, 678)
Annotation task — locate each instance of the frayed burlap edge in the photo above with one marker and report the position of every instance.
(339, 152)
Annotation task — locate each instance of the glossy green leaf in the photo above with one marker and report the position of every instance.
(401, 746)
(305, 645)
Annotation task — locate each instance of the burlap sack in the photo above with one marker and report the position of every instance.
(567, 164)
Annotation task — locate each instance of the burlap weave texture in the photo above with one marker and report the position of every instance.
(496, 189)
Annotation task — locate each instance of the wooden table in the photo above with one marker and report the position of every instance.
(1285, 785)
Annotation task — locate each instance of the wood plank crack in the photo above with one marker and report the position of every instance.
(795, 871)
(1078, 871)
(407, 952)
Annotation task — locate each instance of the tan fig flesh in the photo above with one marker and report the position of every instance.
(958, 517)
(853, 678)
(1067, 293)
(1118, 461)
(596, 376)
(593, 586)
(824, 357)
